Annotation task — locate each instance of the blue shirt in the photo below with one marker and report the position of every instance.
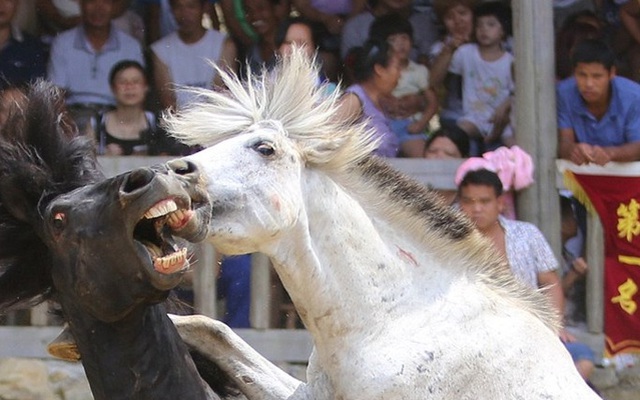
(75, 66)
(619, 125)
(22, 59)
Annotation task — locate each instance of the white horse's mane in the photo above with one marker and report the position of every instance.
(289, 96)
(290, 99)
(446, 233)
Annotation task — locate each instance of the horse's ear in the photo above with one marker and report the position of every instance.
(321, 151)
(339, 151)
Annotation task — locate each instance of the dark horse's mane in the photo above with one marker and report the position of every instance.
(41, 151)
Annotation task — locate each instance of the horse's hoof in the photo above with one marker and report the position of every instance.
(64, 346)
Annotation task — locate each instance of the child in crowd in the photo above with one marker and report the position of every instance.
(456, 17)
(414, 79)
(485, 70)
(575, 267)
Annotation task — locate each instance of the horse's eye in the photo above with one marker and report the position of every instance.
(264, 148)
(59, 220)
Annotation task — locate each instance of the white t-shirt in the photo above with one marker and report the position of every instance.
(189, 64)
(485, 84)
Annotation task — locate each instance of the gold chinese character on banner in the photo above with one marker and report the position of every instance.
(627, 290)
(628, 223)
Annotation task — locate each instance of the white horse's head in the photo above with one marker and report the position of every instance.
(259, 137)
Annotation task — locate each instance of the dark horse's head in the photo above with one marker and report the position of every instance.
(105, 245)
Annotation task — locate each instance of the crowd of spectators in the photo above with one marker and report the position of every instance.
(455, 57)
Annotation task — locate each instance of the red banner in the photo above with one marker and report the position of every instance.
(616, 199)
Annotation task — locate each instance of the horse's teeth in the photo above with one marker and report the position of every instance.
(162, 208)
(172, 262)
(175, 218)
(179, 219)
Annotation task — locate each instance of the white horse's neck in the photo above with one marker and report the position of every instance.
(343, 262)
(377, 248)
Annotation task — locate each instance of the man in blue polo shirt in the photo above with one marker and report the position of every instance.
(598, 112)
(82, 57)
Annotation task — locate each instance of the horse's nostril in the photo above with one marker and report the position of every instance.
(182, 167)
(137, 179)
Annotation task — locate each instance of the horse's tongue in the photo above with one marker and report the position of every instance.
(171, 263)
(154, 250)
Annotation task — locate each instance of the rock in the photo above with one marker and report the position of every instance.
(621, 393)
(32, 379)
(25, 379)
(617, 385)
(69, 380)
(604, 378)
(630, 376)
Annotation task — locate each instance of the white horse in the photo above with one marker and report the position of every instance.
(403, 298)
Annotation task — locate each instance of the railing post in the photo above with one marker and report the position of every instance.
(535, 111)
(260, 314)
(40, 314)
(595, 277)
(204, 280)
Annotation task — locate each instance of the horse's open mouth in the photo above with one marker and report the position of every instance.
(155, 230)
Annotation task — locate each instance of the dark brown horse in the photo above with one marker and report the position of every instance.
(96, 247)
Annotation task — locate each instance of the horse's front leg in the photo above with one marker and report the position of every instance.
(254, 375)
